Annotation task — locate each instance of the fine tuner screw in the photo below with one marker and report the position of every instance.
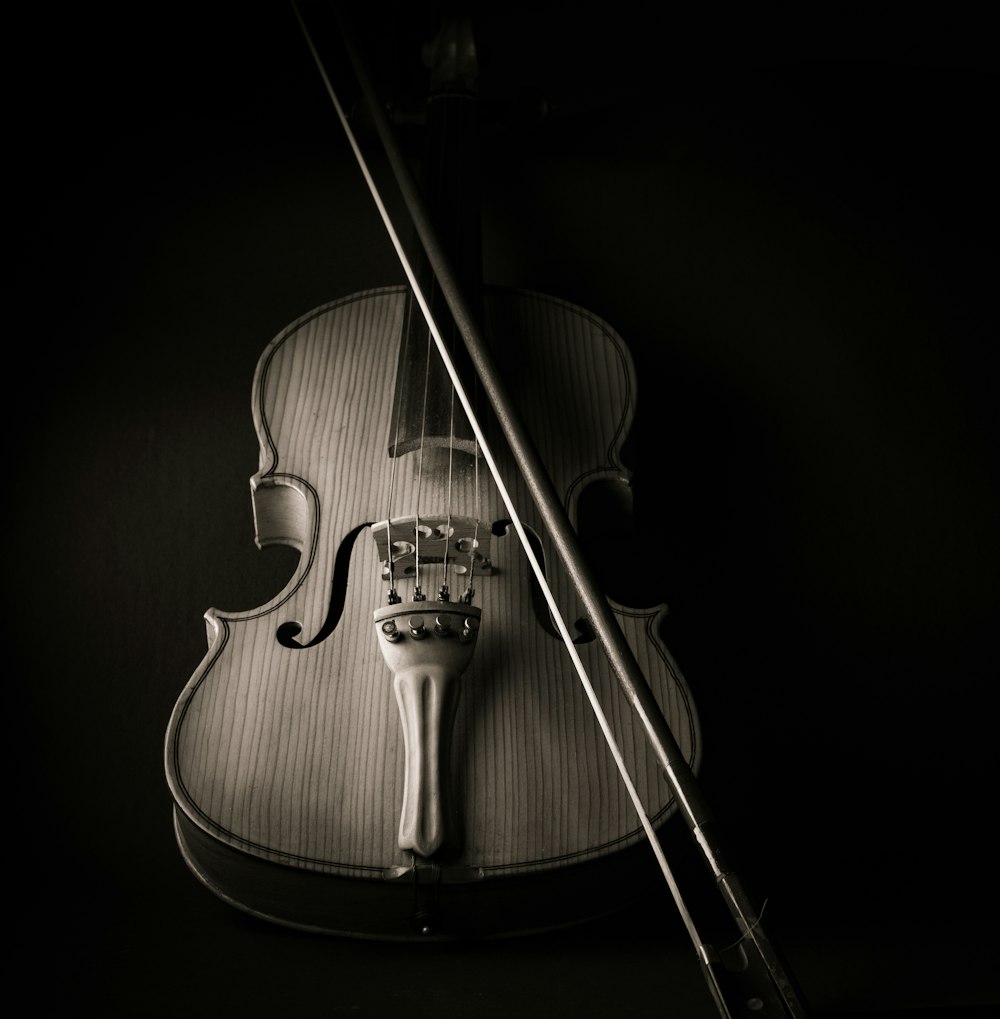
(443, 627)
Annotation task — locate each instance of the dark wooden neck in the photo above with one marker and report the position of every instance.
(424, 412)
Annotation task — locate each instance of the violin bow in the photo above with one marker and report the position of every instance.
(749, 974)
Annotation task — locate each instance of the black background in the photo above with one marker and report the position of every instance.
(790, 219)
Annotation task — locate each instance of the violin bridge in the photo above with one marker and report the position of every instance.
(462, 542)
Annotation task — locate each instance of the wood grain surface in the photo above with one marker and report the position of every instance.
(294, 753)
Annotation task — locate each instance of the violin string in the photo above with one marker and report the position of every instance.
(470, 591)
(445, 592)
(480, 483)
(407, 320)
(418, 592)
(451, 456)
(487, 453)
(460, 210)
(447, 529)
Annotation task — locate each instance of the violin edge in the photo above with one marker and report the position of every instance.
(273, 525)
(423, 903)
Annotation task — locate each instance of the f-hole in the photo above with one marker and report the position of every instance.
(585, 632)
(287, 632)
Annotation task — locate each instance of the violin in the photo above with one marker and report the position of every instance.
(396, 745)
(396, 738)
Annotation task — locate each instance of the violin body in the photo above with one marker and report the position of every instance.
(289, 755)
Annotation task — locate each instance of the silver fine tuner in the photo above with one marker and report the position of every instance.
(470, 627)
(417, 629)
(390, 631)
(442, 626)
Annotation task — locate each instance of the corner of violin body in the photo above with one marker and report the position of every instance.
(280, 511)
(213, 628)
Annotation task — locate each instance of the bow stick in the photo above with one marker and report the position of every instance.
(748, 975)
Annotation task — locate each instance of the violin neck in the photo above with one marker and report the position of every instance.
(451, 193)
(450, 172)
